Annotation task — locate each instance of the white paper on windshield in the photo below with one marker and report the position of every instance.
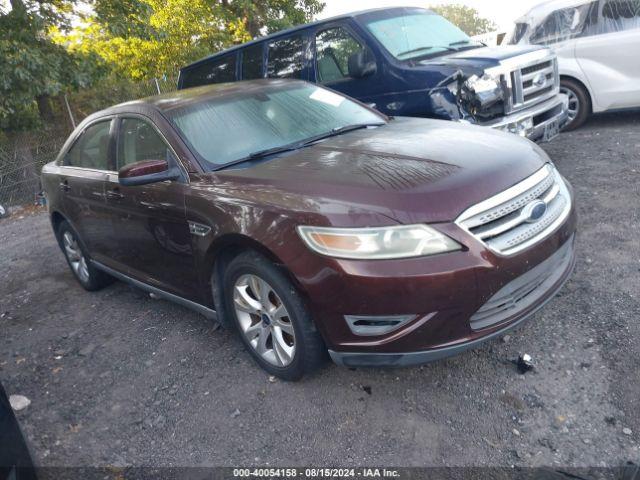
(325, 96)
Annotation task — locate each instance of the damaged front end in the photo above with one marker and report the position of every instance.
(520, 96)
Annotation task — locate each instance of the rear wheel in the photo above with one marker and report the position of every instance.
(271, 318)
(87, 275)
(579, 103)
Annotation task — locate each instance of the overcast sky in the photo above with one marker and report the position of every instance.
(503, 13)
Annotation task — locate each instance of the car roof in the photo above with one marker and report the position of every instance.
(297, 28)
(544, 8)
(179, 98)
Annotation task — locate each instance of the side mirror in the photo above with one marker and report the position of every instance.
(147, 171)
(360, 65)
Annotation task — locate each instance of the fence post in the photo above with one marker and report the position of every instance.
(157, 85)
(73, 120)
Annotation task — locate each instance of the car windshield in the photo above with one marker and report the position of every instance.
(221, 131)
(419, 34)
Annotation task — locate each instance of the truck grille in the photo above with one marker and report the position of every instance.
(534, 83)
(521, 215)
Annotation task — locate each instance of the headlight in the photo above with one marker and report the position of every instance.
(401, 241)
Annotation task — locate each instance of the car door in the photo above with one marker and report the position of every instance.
(82, 180)
(334, 44)
(150, 236)
(610, 59)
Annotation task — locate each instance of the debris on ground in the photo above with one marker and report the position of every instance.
(236, 413)
(19, 402)
(367, 389)
(525, 363)
(627, 431)
(506, 338)
(272, 379)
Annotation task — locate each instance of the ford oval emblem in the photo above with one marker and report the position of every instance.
(539, 80)
(534, 211)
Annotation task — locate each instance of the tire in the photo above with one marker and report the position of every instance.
(271, 318)
(579, 103)
(87, 275)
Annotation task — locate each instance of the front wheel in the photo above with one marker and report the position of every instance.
(87, 275)
(579, 103)
(271, 318)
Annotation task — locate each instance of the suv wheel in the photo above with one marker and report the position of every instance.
(579, 103)
(87, 275)
(271, 318)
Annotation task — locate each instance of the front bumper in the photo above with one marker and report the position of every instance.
(549, 277)
(534, 121)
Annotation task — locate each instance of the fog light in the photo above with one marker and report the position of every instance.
(376, 325)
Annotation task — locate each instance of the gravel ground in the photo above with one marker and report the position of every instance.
(117, 378)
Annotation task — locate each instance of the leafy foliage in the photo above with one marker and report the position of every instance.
(32, 68)
(150, 38)
(465, 18)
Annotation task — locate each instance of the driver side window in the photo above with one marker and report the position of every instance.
(139, 141)
(333, 49)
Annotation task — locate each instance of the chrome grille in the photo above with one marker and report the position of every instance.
(506, 222)
(534, 83)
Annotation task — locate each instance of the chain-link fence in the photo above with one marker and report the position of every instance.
(23, 154)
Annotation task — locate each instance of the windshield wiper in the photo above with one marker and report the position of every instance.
(338, 131)
(261, 154)
(297, 145)
(430, 47)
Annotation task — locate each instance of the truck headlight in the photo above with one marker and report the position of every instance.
(487, 89)
(402, 241)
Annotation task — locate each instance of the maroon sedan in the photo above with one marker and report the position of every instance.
(312, 223)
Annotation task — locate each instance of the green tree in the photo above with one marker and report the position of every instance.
(465, 18)
(32, 67)
(142, 39)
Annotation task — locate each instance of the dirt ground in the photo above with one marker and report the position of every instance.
(118, 378)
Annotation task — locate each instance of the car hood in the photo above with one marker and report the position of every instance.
(478, 59)
(411, 170)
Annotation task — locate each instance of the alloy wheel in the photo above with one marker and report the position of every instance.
(264, 320)
(77, 260)
(574, 103)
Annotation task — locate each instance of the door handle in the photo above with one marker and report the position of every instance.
(114, 195)
(64, 186)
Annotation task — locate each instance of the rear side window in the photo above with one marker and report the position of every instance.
(139, 141)
(91, 149)
(333, 49)
(218, 70)
(618, 15)
(286, 57)
(566, 23)
(252, 62)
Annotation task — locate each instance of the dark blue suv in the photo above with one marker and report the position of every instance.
(405, 62)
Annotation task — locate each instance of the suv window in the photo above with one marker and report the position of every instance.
(333, 49)
(252, 62)
(91, 149)
(139, 141)
(620, 15)
(215, 71)
(286, 57)
(566, 23)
